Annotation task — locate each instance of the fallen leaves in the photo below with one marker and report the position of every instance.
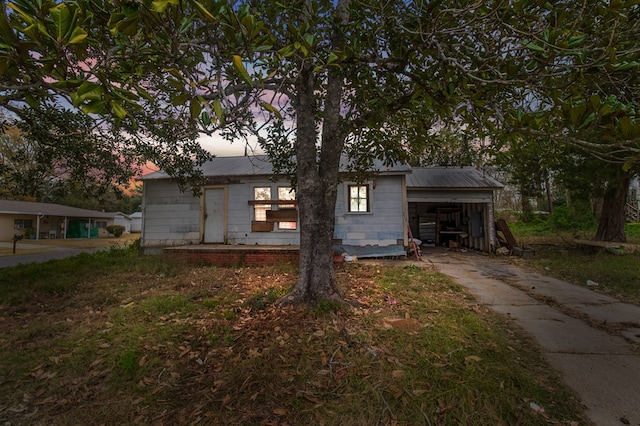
(218, 360)
(39, 373)
(401, 324)
(472, 359)
(398, 374)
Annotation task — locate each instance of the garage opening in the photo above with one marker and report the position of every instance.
(454, 225)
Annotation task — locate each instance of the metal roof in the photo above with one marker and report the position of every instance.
(28, 207)
(260, 165)
(451, 178)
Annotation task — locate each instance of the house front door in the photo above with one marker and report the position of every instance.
(214, 215)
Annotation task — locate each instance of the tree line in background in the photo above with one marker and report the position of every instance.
(31, 170)
(545, 90)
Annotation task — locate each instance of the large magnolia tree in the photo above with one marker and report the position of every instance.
(588, 108)
(311, 80)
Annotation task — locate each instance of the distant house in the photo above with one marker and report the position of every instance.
(49, 221)
(124, 220)
(136, 221)
(243, 204)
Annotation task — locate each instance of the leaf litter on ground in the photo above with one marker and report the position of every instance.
(207, 345)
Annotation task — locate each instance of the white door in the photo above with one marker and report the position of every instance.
(214, 215)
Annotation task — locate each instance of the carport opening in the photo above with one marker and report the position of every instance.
(448, 224)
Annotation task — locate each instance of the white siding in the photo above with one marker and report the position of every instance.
(171, 217)
(136, 222)
(383, 225)
(241, 215)
(123, 221)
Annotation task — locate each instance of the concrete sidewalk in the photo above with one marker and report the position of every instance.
(593, 340)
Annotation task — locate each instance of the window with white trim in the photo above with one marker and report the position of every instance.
(358, 198)
(260, 210)
(287, 193)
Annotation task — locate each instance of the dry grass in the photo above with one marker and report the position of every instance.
(141, 341)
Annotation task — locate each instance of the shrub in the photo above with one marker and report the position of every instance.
(579, 218)
(115, 230)
(29, 232)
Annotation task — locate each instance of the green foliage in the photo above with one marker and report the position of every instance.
(565, 219)
(575, 218)
(135, 246)
(113, 199)
(115, 230)
(632, 231)
(42, 165)
(375, 80)
(166, 304)
(128, 363)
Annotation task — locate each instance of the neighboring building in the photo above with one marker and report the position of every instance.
(242, 204)
(136, 222)
(50, 221)
(124, 220)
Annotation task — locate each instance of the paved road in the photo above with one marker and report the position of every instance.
(35, 253)
(593, 340)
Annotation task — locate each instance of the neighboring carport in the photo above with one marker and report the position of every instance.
(452, 206)
(50, 221)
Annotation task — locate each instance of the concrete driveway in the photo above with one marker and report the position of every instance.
(37, 251)
(591, 339)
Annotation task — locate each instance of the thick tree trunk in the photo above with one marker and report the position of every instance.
(612, 217)
(317, 174)
(317, 183)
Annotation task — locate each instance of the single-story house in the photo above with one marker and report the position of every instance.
(49, 221)
(243, 204)
(123, 220)
(136, 221)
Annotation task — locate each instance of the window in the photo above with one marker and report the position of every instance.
(358, 198)
(22, 223)
(287, 193)
(260, 210)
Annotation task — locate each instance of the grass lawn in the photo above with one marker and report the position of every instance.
(617, 273)
(115, 338)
